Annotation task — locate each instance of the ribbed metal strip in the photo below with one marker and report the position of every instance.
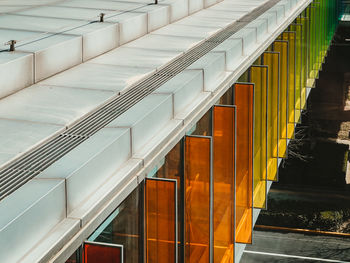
(33, 163)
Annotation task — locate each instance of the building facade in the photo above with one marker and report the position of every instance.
(181, 173)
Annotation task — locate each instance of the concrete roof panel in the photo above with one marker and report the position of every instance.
(137, 57)
(51, 105)
(165, 42)
(17, 137)
(99, 77)
(187, 30)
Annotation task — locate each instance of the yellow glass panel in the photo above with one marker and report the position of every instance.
(271, 59)
(259, 76)
(160, 196)
(304, 21)
(197, 194)
(282, 48)
(297, 28)
(244, 101)
(290, 37)
(223, 187)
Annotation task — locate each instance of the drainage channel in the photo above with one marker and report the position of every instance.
(30, 165)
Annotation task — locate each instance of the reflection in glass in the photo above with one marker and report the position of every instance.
(123, 227)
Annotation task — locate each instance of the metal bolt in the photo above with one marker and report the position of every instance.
(102, 17)
(12, 44)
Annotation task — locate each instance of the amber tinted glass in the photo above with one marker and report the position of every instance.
(223, 208)
(97, 253)
(244, 99)
(282, 48)
(259, 76)
(160, 220)
(197, 177)
(271, 59)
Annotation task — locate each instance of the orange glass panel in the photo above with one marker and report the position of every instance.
(160, 201)
(99, 252)
(197, 180)
(271, 59)
(244, 101)
(223, 187)
(259, 76)
(282, 48)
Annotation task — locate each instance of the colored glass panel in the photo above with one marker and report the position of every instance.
(297, 28)
(271, 59)
(223, 186)
(99, 252)
(244, 101)
(282, 48)
(290, 37)
(259, 76)
(305, 43)
(160, 216)
(198, 198)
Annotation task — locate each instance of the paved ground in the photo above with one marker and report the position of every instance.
(273, 247)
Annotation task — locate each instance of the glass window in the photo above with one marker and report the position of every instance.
(123, 227)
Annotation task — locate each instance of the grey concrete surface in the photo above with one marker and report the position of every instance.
(292, 247)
